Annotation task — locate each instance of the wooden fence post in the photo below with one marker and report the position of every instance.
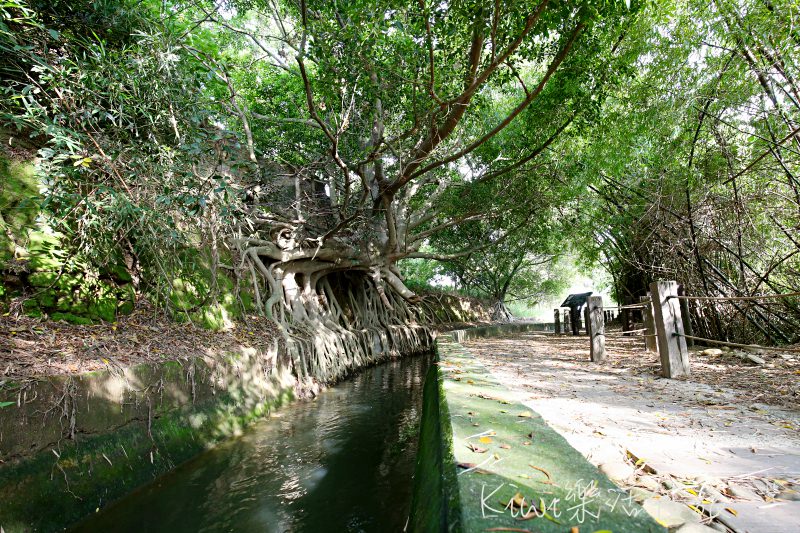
(557, 321)
(672, 348)
(650, 341)
(626, 316)
(595, 327)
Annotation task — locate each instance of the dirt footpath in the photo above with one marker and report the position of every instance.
(724, 443)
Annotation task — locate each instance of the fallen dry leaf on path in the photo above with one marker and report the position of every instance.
(475, 448)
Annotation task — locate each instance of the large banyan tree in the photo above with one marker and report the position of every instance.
(375, 125)
(333, 138)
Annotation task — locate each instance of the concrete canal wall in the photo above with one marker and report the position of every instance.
(72, 444)
(488, 462)
(69, 445)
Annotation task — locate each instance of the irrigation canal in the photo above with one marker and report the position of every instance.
(343, 462)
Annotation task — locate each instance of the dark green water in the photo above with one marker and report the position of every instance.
(343, 462)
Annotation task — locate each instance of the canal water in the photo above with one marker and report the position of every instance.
(343, 462)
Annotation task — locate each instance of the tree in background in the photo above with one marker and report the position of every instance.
(694, 168)
(519, 261)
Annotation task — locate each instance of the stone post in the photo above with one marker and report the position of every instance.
(672, 348)
(595, 327)
(557, 321)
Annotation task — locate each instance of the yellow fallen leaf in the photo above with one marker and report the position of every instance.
(732, 511)
(525, 414)
(518, 501)
(485, 440)
(470, 382)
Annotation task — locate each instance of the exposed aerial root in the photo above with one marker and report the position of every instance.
(335, 321)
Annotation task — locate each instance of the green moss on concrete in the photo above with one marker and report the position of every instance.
(72, 319)
(60, 286)
(44, 251)
(88, 473)
(189, 299)
(19, 203)
(213, 317)
(472, 402)
(435, 502)
(78, 298)
(66, 289)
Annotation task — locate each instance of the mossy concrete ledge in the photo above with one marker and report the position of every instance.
(461, 335)
(487, 462)
(70, 445)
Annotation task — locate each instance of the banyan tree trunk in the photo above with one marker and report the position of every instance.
(501, 313)
(335, 323)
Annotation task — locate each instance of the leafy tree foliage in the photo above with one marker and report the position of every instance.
(378, 125)
(694, 167)
(138, 168)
